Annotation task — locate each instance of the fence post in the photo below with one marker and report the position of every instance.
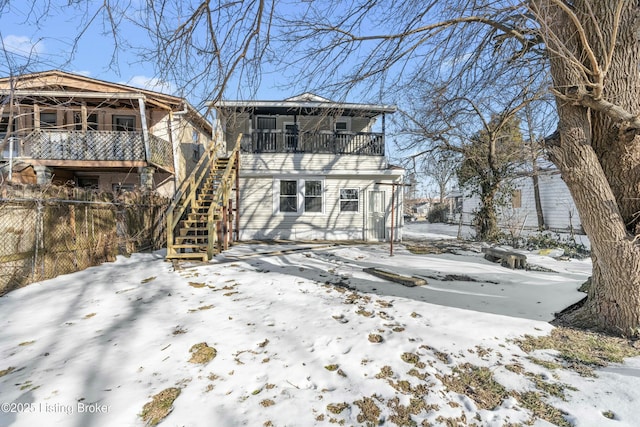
(38, 238)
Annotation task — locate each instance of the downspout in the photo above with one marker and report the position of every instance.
(10, 158)
(393, 202)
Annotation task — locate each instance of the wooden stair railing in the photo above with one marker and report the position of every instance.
(200, 217)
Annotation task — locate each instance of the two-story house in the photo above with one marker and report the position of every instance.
(312, 169)
(70, 129)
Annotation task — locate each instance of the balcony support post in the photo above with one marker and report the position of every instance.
(83, 116)
(145, 130)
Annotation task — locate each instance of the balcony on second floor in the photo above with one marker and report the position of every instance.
(318, 142)
(75, 147)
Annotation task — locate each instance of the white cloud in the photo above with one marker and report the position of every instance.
(151, 83)
(85, 73)
(22, 45)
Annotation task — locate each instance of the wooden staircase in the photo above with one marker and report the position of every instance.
(201, 220)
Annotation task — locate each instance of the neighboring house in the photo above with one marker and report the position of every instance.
(70, 129)
(313, 169)
(558, 209)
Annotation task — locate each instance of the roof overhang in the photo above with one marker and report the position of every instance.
(304, 108)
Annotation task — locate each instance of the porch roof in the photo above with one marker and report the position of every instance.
(308, 105)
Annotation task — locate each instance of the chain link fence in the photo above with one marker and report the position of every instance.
(45, 235)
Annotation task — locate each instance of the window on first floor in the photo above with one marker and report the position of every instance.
(88, 182)
(300, 195)
(516, 199)
(313, 196)
(288, 196)
(349, 200)
(121, 188)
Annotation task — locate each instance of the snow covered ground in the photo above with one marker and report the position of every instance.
(302, 337)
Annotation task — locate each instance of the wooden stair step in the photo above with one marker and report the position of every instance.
(195, 256)
(197, 246)
(182, 239)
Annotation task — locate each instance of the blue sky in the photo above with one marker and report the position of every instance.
(35, 39)
(49, 42)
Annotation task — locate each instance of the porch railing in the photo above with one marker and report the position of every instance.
(276, 141)
(92, 146)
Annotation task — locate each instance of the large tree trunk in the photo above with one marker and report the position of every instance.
(486, 218)
(599, 161)
(536, 198)
(614, 298)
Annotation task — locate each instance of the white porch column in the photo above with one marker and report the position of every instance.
(145, 130)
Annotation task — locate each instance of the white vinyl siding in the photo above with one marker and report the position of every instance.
(558, 207)
(261, 217)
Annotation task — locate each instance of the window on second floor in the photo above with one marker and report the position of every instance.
(264, 123)
(4, 125)
(124, 123)
(48, 119)
(4, 129)
(342, 125)
(92, 121)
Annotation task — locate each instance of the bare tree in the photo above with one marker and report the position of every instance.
(441, 167)
(463, 119)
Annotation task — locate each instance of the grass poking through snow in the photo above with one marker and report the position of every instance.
(160, 406)
(581, 350)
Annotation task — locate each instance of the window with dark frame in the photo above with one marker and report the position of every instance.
(195, 137)
(266, 123)
(341, 126)
(288, 196)
(313, 196)
(48, 120)
(4, 129)
(4, 125)
(349, 200)
(124, 123)
(121, 188)
(92, 121)
(88, 182)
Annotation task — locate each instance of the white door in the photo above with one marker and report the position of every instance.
(375, 227)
